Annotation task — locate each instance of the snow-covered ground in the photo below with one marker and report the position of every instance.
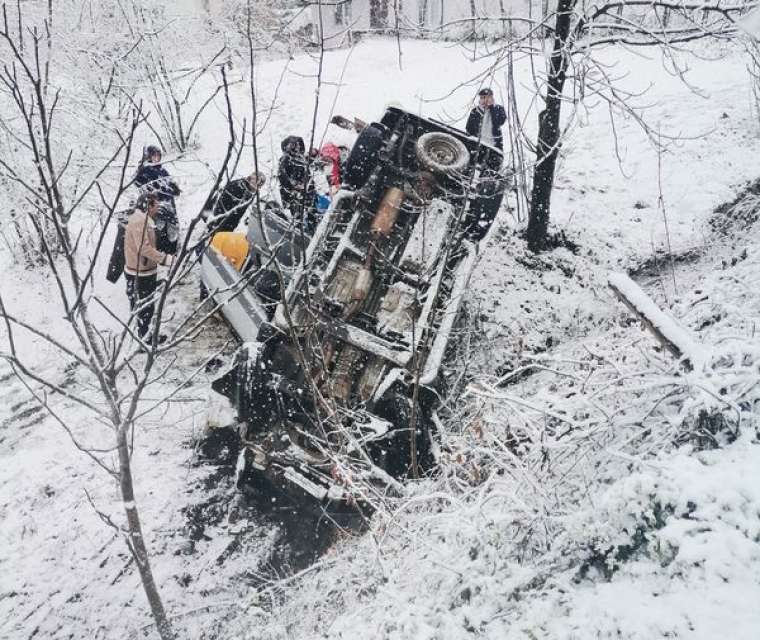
(588, 537)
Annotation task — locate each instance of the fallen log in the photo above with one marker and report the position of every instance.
(676, 339)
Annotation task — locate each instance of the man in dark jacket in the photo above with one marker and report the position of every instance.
(153, 179)
(296, 186)
(232, 203)
(486, 120)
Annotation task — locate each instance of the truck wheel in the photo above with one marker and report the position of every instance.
(363, 157)
(396, 459)
(484, 206)
(442, 153)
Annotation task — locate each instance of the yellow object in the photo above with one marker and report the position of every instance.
(232, 246)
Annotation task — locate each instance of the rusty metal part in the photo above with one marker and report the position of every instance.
(362, 284)
(341, 287)
(387, 212)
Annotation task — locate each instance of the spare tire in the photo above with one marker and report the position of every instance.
(442, 153)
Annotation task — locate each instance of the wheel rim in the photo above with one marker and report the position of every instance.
(443, 152)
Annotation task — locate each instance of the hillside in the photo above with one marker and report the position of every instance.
(591, 486)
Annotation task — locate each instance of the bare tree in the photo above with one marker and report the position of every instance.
(116, 366)
(93, 353)
(573, 31)
(547, 144)
(577, 30)
(167, 63)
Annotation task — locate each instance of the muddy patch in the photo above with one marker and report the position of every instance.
(661, 263)
(742, 212)
(293, 536)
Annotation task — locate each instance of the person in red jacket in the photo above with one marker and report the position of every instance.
(330, 155)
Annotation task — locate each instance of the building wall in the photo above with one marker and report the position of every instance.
(339, 21)
(198, 6)
(437, 11)
(449, 17)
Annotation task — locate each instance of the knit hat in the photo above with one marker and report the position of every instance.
(149, 151)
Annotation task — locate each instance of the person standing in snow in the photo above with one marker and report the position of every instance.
(153, 179)
(485, 123)
(230, 206)
(486, 120)
(296, 186)
(141, 260)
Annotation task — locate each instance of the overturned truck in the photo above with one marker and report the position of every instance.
(335, 397)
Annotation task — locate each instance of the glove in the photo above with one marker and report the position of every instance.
(169, 261)
(341, 122)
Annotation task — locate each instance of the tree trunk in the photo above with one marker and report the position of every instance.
(20, 28)
(136, 542)
(504, 20)
(49, 30)
(378, 14)
(547, 147)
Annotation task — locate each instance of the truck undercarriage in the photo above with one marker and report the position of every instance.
(334, 398)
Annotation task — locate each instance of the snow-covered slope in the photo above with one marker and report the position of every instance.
(565, 509)
(595, 498)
